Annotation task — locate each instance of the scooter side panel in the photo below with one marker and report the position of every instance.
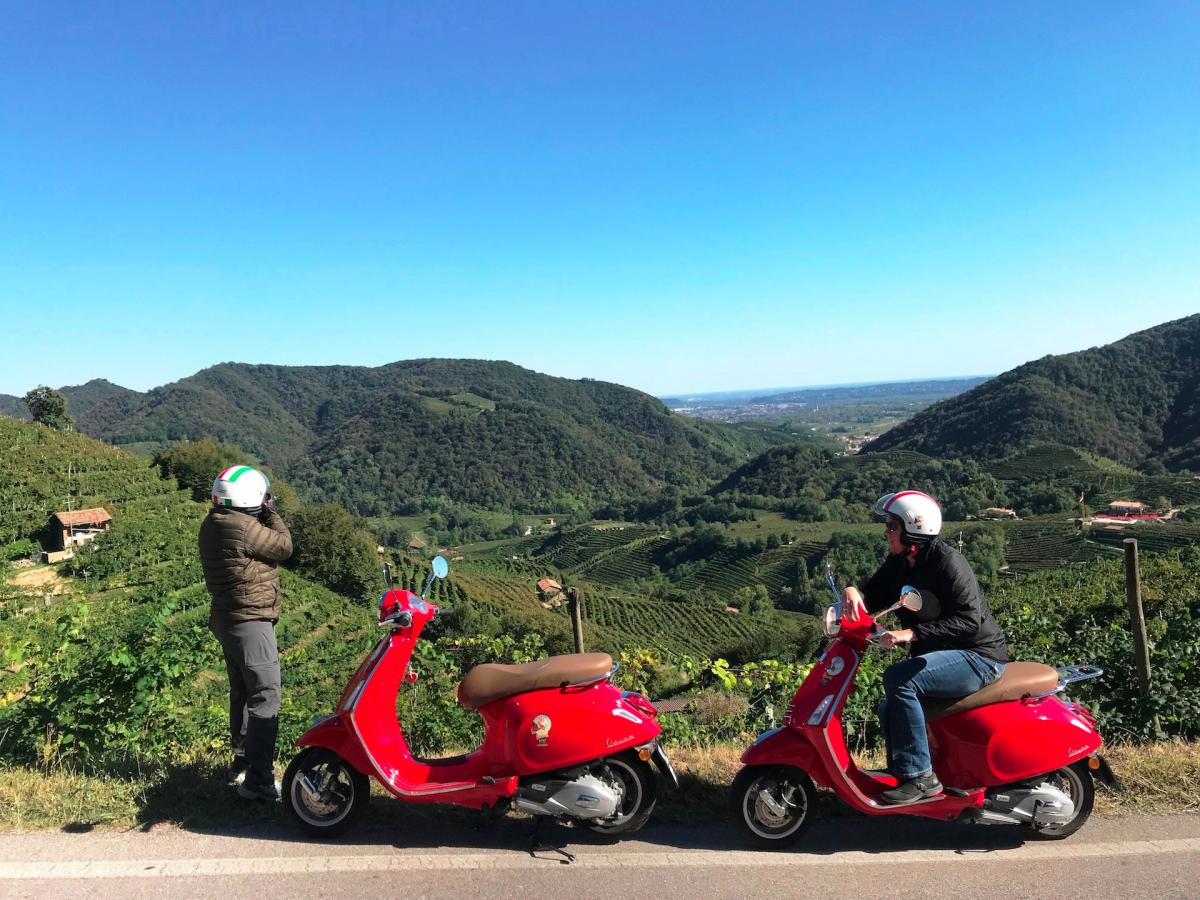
(550, 729)
(1005, 742)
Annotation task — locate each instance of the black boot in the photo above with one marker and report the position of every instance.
(919, 788)
(237, 769)
(259, 783)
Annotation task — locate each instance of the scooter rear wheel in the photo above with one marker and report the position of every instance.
(639, 793)
(1076, 782)
(772, 805)
(323, 793)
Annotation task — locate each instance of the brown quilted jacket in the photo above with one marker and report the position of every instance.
(239, 554)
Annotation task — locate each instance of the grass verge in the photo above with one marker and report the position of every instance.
(1158, 778)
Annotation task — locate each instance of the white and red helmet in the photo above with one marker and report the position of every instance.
(919, 513)
(241, 487)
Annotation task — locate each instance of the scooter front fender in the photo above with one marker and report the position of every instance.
(782, 746)
(332, 734)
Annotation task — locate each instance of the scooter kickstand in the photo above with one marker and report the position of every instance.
(537, 845)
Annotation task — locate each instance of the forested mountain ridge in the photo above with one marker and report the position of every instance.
(391, 438)
(1136, 401)
(82, 398)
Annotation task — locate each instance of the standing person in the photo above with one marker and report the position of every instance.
(955, 645)
(242, 540)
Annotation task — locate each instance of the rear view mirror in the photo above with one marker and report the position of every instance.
(910, 598)
(441, 568)
(832, 622)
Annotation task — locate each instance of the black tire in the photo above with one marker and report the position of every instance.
(343, 792)
(639, 793)
(1077, 783)
(755, 795)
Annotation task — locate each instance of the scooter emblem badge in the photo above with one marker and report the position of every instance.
(833, 669)
(541, 729)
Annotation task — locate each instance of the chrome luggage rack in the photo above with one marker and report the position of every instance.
(1069, 675)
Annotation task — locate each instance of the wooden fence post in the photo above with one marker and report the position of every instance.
(1137, 619)
(576, 618)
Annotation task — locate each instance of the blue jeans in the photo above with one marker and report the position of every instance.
(942, 673)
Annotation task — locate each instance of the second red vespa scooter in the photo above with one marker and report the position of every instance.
(561, 740)
(1011, 753)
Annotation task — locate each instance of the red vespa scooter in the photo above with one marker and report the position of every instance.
(1010, 753)
(561, 740)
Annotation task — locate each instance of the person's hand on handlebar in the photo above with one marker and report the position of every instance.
(853, 607)
(889, 640)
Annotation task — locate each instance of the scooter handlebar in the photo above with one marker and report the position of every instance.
(401, 618)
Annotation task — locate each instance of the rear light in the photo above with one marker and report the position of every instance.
(1083, 712)
(639, 703)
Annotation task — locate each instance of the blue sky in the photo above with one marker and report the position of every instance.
(675, 196)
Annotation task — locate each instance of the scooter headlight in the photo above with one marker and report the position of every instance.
(833, 622)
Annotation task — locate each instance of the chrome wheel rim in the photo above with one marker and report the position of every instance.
(773, 807)
(332, 797)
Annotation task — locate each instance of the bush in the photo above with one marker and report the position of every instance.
(332, 549)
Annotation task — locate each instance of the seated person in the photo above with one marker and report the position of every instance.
(960, 651)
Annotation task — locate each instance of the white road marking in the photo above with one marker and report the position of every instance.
(408, 862)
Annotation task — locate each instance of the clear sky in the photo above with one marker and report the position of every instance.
(674, 196)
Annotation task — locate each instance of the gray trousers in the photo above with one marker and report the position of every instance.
(252, 662)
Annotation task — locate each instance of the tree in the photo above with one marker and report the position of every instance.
(332, 549)
(194, 464)
(49, 407)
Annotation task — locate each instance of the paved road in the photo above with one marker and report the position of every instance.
(854, 857)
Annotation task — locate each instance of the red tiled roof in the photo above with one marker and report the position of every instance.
(95, 516)
(549, 584)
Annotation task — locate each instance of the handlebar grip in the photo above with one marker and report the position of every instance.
(402, 618)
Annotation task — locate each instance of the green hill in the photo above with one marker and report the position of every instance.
(399, 437)
(1136, 401)
(81, 398)
(108, 656)
(811, 483)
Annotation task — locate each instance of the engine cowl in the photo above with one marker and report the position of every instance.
(584, 797)
(1042, 804)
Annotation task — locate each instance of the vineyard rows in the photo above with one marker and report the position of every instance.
(724, 572)
(1043, 461)
(1153, 538)
(572, 548)
(622, 563)
(669, 627)
(1047, 545)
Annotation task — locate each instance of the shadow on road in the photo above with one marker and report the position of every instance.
(193, 798)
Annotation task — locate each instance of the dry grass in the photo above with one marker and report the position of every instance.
(31, 800)
(1158, 778)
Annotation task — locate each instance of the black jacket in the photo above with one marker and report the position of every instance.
(963, 620)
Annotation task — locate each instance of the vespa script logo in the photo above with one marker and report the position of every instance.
(541, 729)
(610, 743)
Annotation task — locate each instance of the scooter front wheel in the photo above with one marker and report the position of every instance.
(772, 805)
(323, 793)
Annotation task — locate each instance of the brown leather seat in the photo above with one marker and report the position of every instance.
(491, 681)
(1020, 679)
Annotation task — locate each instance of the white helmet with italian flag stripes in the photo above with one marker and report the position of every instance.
(241, 487)
(919, 513)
